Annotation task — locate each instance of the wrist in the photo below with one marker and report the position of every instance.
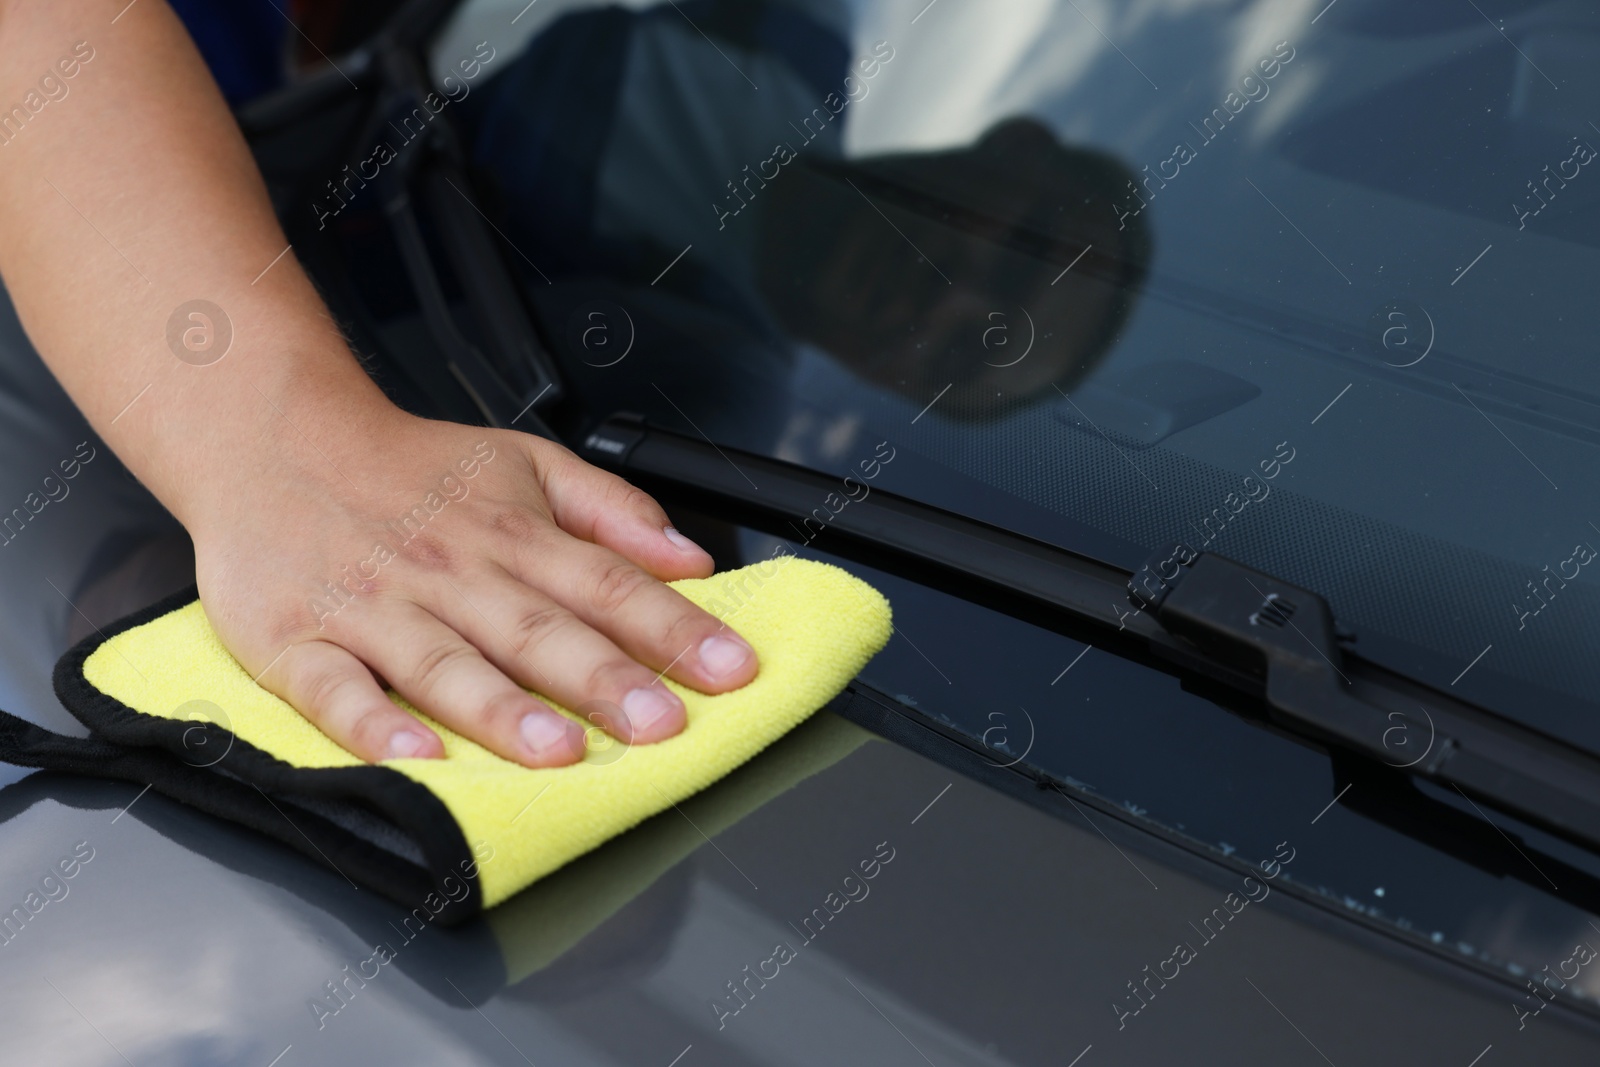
(303, 415)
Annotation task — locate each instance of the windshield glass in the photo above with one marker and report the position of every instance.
(1296, 282)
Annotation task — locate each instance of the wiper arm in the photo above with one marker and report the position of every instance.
(1286, 635)
(1199, 612)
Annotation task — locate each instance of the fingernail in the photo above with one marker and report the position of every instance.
(404, 744)
(680, 542)
(648, 706)
(722, 656)
(545, 733)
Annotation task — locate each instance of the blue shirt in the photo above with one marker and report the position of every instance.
(244, 42)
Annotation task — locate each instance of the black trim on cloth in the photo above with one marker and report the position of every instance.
(252, 787)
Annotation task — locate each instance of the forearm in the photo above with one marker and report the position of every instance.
(128, 196)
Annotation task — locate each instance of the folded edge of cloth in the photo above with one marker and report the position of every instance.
(593, 888)
(169, 707)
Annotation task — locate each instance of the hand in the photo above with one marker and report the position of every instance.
(337, 540)
(460, 565)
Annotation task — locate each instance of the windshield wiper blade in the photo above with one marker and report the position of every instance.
(1287, 636)
(1200, 613)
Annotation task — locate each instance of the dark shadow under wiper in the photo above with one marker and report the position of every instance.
(1197, 613)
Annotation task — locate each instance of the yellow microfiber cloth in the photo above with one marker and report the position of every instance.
(167, 705)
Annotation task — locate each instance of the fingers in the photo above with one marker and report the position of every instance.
(651, 622)
(337, 693)
(432, 666)
(596, 505)
(546, 647)
(576, 609)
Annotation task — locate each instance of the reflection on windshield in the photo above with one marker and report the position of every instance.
(895, 302)
(1102, 258)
